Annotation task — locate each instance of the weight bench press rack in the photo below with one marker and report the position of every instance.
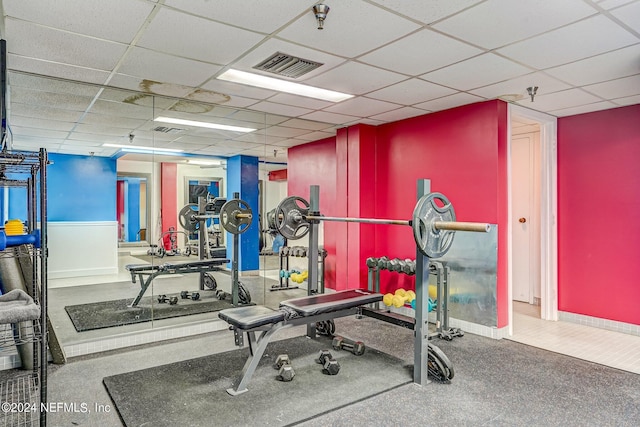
(146, 273)
(293, 312)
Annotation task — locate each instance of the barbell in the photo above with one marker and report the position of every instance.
(235, 216)
(433, 222)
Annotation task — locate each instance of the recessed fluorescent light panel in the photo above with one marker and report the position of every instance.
(265, 82)
(205, 162)
(141, 149)
(202, 124)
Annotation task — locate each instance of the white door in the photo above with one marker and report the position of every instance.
(522, 197)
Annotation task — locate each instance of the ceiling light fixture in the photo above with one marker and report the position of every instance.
(265, 82)
(320, 10)
(202, 124)
(137, 148)
(205, 162)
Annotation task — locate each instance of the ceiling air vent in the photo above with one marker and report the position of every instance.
(287, 65)
(165, 129)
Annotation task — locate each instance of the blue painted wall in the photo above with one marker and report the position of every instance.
(132, 208)
(242, 177)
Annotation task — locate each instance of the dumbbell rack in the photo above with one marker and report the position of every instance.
(298, 251)
(441, 271)
(29, 389)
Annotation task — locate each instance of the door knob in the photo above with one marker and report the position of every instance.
(522, 220)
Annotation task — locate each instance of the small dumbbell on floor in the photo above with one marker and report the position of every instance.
(170, 300)
(355, 347)
(330, 366)
(285, 370)
(193, 296)
(222, 295)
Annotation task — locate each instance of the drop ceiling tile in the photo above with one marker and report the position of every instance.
(98, 138)
(325, 116)
(608, 66)
(252, 14)
(314, 136)
(349, 21)
(249, 116)
(450, 101)
(306, 124)
(411, 92)
(487, 69)
(121, 109)
(610, 4)
(630, 15)
(185, 35)
(197, 140)
(51, 85)
(48, 99)
(365, 121)
(101, 130)
(496, 23)
(616, 88)
(232, 89)
(53, 69)
(272, 107)
(420, 52)
(519, 85)
(271, 46)
(273, 119)
(342, 78)
(43, 112)
(285, 132)
(33, 122)
(362, 107)
(96, 18)
(436, 10)
(586, 38)
(399, 114)
(75, 150)
(258, 138)
(560, 100)
(44, 43)
(78, 143)
(36, 142)
(138, 84)
(627, 100)
(164, 68)
(240, 102)
(113, 121)
(300, 101)
(43, 133)
(588, 108)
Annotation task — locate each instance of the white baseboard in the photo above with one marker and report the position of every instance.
(80, 273)
(596, 322)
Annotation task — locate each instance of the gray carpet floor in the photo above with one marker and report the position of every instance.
(497, 383)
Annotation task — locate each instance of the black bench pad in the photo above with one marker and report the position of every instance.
(251, 316)
(176, 265)
(326, 303)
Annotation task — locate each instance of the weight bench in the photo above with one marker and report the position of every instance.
(147, 272)
(293, 312)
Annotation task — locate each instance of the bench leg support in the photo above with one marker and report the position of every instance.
(257, 349)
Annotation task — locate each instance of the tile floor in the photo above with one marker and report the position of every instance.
(610, 348)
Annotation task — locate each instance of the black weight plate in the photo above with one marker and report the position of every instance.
(430, 241)
(186, 220)
(244, 297)
(289, 217)
(229, 219)
(210, 281)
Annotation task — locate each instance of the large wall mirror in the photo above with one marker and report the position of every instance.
(125, 164)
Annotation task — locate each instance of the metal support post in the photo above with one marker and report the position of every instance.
(420, 343)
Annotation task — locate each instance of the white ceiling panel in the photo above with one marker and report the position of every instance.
(630, 15)
(49, 113)
(436, 10)
(107, 18)
(627, 100)
(324, 116)
(399, 114)
(563, 99)
(95, 137)
(121, 109)
(352, 21)
(450, 101)
(616, 88)
(32, 122)
(609, 66)
(519, 85)
(54, 69)
(251, 14)
(81, 143)
(610, 4)
(597, 106)
(272, 107)
(240, 102)
(487, 69)
(258, 138)
(574, 42)
(165, 68)
(51, 85)
(300, 101)
(101, 130)
(411, 91)
(35, 41)
(285, 132)
(368, 78)
(313, 136)
(305, 124)
(362, 107)
(420, 52)
(43, 133)
(238, 89)
(192, 37)
(496, 23)
(138, 84)
(113, 121)
(65, 101)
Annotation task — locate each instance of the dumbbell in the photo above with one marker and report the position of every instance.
(394, 265)
(170, 300)
(222, 295)
(400, 298)
(382, 262)
(355, 347)
(330, 366)
(409, 267)
(284, 251)
(285, 370)
(300, 277)
(372, 262)
(193, 296)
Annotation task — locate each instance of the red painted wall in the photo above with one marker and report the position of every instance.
(599, 214)
(315, 164)
(463, 151)
(169, 197)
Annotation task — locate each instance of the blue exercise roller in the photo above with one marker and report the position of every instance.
(22, 239)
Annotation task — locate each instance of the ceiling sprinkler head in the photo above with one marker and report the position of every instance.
(531, 90)
(320, 10)
(131, 136)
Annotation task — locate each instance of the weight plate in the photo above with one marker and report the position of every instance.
(244, 297)
(289, 218)
(439, 365)
(210, 282)
(229, 216)
(430, 241)
(186, 218)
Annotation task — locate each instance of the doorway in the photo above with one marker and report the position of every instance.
(132, 201)
(532, 211)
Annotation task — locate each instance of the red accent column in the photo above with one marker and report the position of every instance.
(169, 190)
